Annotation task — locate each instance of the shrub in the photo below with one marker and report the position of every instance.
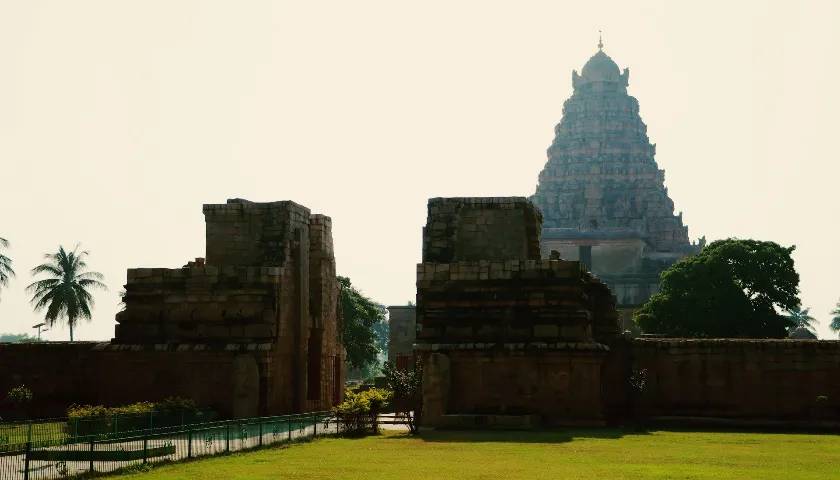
(20, 395)
(98, 419)
(359, 410)
(407, 386)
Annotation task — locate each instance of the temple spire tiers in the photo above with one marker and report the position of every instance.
(602, 194)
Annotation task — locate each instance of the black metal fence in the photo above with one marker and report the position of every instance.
(45, 455)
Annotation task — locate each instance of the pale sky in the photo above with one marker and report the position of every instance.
(119, 119)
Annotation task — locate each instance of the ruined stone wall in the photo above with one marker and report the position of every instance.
(493, 228)
(224, 378)
(240, 232)
(501, 331)
(252, 330)
(737, 378)
(200, 303)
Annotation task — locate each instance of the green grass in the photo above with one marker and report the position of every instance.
(14, 434)
(585, 454)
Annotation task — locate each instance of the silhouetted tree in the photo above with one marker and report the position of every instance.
(732, 288)
(64, 293)
(6, 271)
(835, 320)
(801, 318)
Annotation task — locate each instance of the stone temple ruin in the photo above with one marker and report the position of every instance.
(505, 333)
(251, 329)
(509, 339)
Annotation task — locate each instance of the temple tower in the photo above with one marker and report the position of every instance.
(601, 193)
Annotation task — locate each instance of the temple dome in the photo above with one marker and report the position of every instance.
(601, 68)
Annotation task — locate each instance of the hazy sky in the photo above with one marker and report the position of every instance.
(119, 119)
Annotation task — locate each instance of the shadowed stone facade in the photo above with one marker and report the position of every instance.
(512, 340)
(501, 332)
(602, 194)
(252, 330)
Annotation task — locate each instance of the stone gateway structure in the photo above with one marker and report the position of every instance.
(509, 339)
(504, 334)
(251, 329)
(602, 194)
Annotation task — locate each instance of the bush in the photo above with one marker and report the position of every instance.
(98, 419)
(359, 410)
(20, 395)
(407, 386)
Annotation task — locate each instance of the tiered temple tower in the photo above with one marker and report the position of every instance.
(601, 193)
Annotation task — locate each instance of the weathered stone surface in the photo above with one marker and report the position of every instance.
(503, 332)
(252, 330)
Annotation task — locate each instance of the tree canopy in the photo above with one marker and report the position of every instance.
(362, 329)
(835, 319)
(65, 294)
(732, 288)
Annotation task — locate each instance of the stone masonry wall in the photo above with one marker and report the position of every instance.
(224, 378)
(493, 228)
(253, 330)
(502, 332)
(736, 378)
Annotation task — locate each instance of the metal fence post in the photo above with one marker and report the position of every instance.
(26, 460)
(261, 435)
(145, 446)
(91, 453)
(314, 425)
(227, 437)
(189, 442)
(289, 422)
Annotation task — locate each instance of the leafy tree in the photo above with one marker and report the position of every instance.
(732, 288)
(6, 271)
(407, 386)
(835, 320)
(360, 318)
(801, 318)
(65, 292)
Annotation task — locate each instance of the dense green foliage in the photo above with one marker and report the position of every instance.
(835, 319)
(732, 288)
(407, 388)
(170, 404)
(360, 316)
(65, 294)
(6, 271)
(569, 453)
(359, 410)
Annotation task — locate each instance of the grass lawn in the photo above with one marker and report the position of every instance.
(13, 435)
(568, 454)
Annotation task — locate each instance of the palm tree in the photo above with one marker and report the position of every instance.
(801, 319)
(6, 271)
(835, 321)
(64, 294)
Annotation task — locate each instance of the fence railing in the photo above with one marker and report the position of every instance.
(59, 431)
(42, 456)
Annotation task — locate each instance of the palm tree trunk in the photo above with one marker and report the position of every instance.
(71, 332)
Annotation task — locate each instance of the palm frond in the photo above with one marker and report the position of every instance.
(65, 293)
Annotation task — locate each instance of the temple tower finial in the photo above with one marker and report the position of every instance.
(600, 41)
